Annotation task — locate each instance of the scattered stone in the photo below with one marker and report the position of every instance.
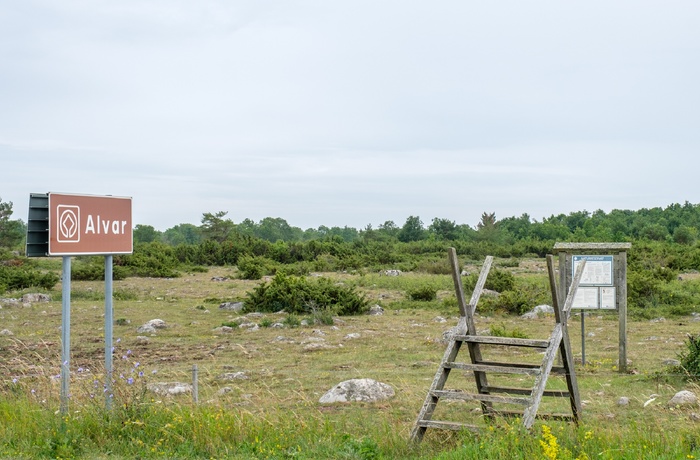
(391, 273)
(684, 398)
(277, 325)
(658, 320)
(6, 332)
(157, 323)
(169, 388)
(358, 390)
(590, 334)
(219, 278)
(142, 340)
(695, 417)
(234, 376)
(146, 329)
(538, 311)
(232, 306)
(224, 391)
(10, 303)
(376, 310)
(318, 332)
(352, 336)
(623, 401)
(254, 315)
(465, 273)
(490, 292)
(672, 362)
(283, 339)
(439, 319)
(223, 330)
(316, 346)
(33, 298)
(248, 325)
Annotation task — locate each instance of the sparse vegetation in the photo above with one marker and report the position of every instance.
(274, 412)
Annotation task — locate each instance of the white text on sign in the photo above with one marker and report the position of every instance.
(100, 226)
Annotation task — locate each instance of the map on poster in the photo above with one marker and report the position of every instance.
(598, 270)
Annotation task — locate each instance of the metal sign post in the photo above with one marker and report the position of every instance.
(65, 335)
(109, 324)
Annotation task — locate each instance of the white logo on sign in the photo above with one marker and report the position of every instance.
(68, 224)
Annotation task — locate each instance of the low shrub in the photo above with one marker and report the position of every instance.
(498, 280)
(295, 294)
(423, 293)
(254, 267)
(20, 277)
(690, 357)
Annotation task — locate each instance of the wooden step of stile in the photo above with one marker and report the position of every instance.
(454, 426)
(507, 341)
(462, 396)
(526, 391)
(539, 416)
(498, 369)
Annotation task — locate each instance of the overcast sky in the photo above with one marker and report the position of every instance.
(351, 112)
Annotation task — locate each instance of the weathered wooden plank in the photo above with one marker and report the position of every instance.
(566, 352)
(541, 380)
(526, 391)
(508, 341)
(621, 296)
(559, 417)
(461, 396)
(426, 412)
(457, 281)
(507, 369)
(455, 426)
(476, 294)
(474, 350)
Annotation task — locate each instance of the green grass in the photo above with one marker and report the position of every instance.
(275, 413)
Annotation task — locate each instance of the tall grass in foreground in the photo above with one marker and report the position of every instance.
(149, 428)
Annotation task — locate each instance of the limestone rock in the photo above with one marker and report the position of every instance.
(358, 390)
(33, 298)
(538, 311)
(684, 398)
(232, 306)
(170, 388)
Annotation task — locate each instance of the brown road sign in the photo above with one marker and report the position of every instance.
(89, 224)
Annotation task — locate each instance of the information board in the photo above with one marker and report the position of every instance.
(598, 271)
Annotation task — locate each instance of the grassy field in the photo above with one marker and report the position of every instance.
(272, 409)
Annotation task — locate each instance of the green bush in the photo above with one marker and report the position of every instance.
(254, 267)
(498, 280)
(502, 331)
(93, 269)
(423, 293)
(156, 260)
(690, 357)
(298, 295)
(20, 277)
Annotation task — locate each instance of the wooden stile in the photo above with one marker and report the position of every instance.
(486, 395)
